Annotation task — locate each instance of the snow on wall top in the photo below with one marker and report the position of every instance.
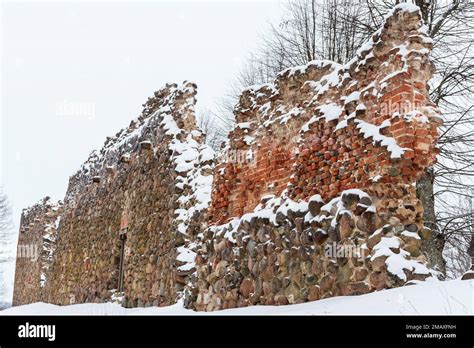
(44, 205)
(318, 79)
(170, 112)
(324, 127)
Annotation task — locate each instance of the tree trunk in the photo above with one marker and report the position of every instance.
(470, 251)
(433, 246)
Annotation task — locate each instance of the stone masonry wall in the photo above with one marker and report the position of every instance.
(151, 180)
(36, 244)
(314, 196)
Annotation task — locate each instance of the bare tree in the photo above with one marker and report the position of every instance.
(308, 30)
(458, 228)
(5, 215)
(215, 126)
(6, 242)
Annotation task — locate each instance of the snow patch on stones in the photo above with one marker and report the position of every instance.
(370, 130)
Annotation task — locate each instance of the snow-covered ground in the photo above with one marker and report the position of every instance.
(430, 298)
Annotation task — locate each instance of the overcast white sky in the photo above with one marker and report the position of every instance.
(105, 59)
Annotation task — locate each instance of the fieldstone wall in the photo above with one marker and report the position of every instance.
(314, 195)
(288, 252)
(36, 245)
(151, 181)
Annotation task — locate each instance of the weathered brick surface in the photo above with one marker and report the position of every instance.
(295, 145)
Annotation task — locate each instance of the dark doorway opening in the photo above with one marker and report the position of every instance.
(123, 238)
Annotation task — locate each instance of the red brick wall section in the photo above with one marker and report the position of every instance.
(324, 128)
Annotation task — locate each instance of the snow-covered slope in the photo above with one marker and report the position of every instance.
(430, 298)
